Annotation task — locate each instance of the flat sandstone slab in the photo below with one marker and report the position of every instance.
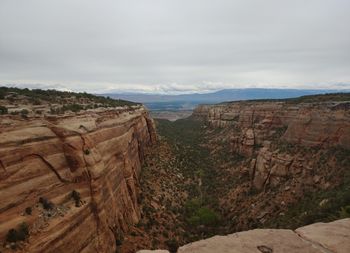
(253, 241)
(335, 236)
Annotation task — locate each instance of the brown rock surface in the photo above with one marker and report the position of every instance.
(334, 236)
(253, 241)
(97, 154)
(254, 125)
(316, 238)
(154, 251)
(311, 124)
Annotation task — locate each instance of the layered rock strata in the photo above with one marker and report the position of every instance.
(84, 169)
(312, 124)
(254, 125)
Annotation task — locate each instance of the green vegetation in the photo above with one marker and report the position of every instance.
(19, 234)
(3, 110)
(330, 97)
(119, 239)
(24, 112)
(172, 245)
(322, 205)
(28, 210)
(47, 205)
(73, 107)
(54, 96)
(199, 215)
(200, 212)
(76, 197)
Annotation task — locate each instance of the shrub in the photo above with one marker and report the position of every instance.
(198, 215)
(204, 216)
(165, 234)
(24, 112)
(23, 231)
(47, 205)
(3, 110)
(172, 245)
(192, 206)
(73, 107)
(21, 234)
(76, 196)
(11, 235)
(119, 239)
(87, 152)
(344, 212)
(28, 210)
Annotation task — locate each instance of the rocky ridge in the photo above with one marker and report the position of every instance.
(70, 182)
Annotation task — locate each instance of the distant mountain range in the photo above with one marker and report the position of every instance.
(189, 101)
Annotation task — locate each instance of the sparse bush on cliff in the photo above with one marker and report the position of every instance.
(47, 205)
(24, 112)
(19, 234)
(3, 110)
(119, 239)
(11, 235)
(28, 210)
(76, 196)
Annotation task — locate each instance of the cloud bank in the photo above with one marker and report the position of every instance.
(168, 46)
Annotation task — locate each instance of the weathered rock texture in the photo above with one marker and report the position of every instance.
(331, 237)
(276, 153)
(312, 124)
(254, 125)
(96, 153)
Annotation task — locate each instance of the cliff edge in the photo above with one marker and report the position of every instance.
(70, 183)
(333, 237)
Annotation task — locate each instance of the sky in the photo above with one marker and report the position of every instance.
(174, 46)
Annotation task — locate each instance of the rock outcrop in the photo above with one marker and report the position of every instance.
(254, 125)
(316, 238)
(72, 180)
(311, 124)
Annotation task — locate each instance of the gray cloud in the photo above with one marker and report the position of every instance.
(174, 46)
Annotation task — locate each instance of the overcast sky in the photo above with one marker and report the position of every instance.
(174, 46)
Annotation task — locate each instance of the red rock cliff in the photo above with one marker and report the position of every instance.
(253, 125)
(95, 155)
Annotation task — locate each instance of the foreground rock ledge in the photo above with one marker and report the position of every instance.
(333, 237)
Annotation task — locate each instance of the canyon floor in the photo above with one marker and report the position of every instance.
(193, 187)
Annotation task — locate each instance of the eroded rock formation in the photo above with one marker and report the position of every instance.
(254, 125)
(85, 171)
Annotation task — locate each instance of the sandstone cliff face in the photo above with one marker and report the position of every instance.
(97, 154)
(254, 125)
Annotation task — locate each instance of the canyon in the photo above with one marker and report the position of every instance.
(286, 150)
(109, 178)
